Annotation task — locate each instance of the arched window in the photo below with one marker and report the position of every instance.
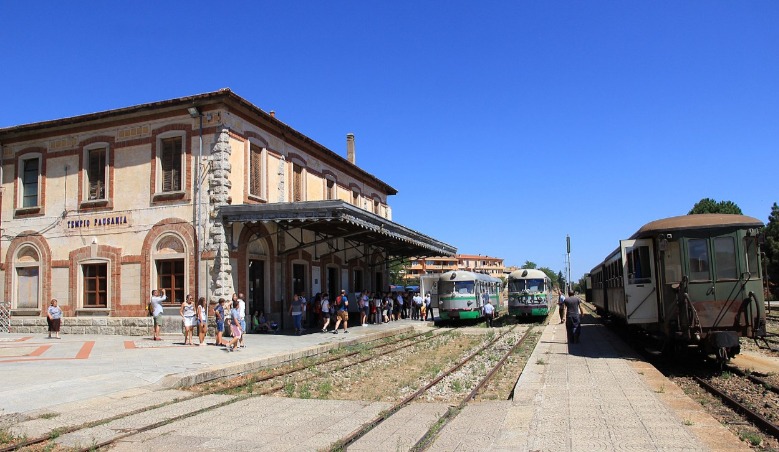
(27, 269)
(170, 267)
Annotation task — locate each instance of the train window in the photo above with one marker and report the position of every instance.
(516, 285)
(673, 263)
(639, 266)
(725, 257)
(698, 255)
(750, 248)
(463, 286)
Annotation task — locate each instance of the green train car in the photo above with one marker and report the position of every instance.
(693, 281)
(462, 294)
(529, 293)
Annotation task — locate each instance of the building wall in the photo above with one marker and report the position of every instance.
(133, 226)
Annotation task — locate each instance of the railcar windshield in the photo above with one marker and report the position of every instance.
(460, 287)
(531, 285)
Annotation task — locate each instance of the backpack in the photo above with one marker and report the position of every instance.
(338, 300)
(150, 308)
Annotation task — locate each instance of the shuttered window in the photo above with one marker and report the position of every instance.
(255, 171)
(170, 161)
(96, 173)
(95, 285)
(330, 189)
(30, 173)
(297, 183)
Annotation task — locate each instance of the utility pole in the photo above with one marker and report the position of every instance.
(568, 285)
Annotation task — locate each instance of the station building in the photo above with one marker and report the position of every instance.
(206, 194)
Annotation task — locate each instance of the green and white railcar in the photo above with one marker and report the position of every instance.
(462, 294)
(528, 293)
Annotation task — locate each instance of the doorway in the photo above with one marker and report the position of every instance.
(256, 296)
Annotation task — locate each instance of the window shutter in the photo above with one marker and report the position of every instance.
(255, 168)
(171, 164)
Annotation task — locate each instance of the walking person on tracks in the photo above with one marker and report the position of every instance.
(574, 311)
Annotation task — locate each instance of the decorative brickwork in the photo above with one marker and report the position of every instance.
(180, 227)
(44, 264)
(113, 257)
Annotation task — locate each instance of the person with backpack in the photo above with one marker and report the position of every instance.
(325, 310)
(342, 312)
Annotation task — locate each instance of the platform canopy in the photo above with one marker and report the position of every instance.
(334, 219)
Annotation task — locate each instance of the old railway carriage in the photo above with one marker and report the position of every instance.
(528, 293)
(462, 294)
(693, 280)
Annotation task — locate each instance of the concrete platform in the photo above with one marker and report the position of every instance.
(600, 395)
(40, 373)
(596, 395)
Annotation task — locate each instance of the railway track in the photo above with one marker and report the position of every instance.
(186, 402)
(430, 435)
(736, 396)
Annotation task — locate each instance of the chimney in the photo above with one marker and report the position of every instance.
(272, 114)
(350, 149)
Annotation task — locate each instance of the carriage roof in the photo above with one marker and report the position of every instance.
(697, 221)
(527, 273)
(459, 275)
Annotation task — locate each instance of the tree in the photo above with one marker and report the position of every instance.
(771, 248)
(561, 280)
(708, 205)
(550, 274)
(530, 264)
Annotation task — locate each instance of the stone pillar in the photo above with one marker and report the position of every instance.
(221, 280)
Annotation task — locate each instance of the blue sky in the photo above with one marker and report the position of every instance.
(504, 126)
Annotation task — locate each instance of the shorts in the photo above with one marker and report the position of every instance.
(243, 325)
(220, 326)
(325, 315)
(189, 322)
(365, 310)
(158, 320)
(235, 331)
(343, 315)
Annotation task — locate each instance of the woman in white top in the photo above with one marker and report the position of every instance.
(53, 317)
(202, 320)
(187, 312)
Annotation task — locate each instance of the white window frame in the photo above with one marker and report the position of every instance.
(184, 169)
(80, 284)
(87, 150)
(20, 179)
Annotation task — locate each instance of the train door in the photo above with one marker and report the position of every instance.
(728, 288)
(638, 277)
(700, 287)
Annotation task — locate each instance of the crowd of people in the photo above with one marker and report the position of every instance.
(321, 312)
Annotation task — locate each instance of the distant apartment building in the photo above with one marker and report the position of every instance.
(492, 266)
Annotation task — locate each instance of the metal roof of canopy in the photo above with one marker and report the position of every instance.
(338, 219)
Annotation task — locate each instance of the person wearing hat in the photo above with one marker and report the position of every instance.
(342, 312)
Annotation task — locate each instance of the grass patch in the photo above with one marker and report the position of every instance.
(457, 386)
(688, 422)
(751, 437)
(289, 388)
(48, 415)
(324, 389)
(304, 392)
(661, 389)
(540, 361)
